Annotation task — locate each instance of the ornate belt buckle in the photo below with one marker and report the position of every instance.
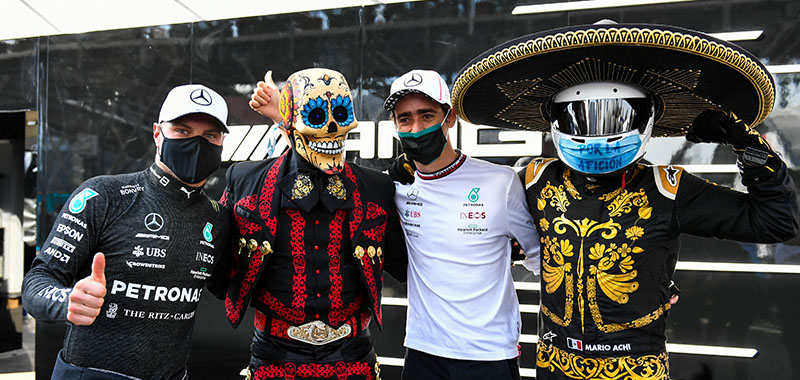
(318, 332)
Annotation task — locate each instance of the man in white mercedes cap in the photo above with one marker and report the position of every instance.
(459, 215)
(129, 254)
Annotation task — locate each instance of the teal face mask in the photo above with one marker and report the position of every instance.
(424, 146)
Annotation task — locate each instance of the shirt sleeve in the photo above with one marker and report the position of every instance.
(396, 259)
(520, 225)
(66, 255)
(767, 213)
(218, 283)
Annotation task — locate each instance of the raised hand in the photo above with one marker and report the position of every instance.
(402, 170)
(265, 98)
(716, 126)
(87, 296)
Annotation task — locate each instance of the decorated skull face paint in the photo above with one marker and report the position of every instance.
(317, 112)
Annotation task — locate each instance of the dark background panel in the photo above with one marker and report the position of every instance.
(98, 95)
(102, 94)
(18, 74)
(748, 310)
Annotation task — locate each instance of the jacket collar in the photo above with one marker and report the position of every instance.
(303, 186)
(171, 185)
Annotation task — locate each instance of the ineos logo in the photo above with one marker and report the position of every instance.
(153, 222)
(201, 97)
(414, 80)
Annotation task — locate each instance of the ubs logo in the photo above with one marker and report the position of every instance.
(413, 214)
(138, 251)
(154, 222)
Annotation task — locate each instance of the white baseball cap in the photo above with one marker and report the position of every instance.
(426, 82)
(194, 98)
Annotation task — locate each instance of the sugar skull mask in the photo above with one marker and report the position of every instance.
(317, 113)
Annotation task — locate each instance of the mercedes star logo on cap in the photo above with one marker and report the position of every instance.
(200, 97)
(414, 80)
(154, 222)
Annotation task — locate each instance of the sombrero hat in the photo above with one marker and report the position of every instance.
(688, 72)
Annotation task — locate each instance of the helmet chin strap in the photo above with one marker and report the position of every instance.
(623, 178)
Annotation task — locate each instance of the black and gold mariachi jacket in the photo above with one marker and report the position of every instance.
(375, 238)
(609, 251)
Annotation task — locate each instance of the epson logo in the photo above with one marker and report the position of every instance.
(156, 293)
(69, 231)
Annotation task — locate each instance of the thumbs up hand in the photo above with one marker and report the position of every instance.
(87, 296)
(265, 98)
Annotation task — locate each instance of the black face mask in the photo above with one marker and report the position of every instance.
(424, 146)
(191, 160)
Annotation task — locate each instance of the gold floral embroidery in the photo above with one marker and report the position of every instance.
(558, 199)
(567, 319)
(568, 183)
(611, 266)
(544, 224)
(623, 203)
(615, 286)
(615, 193)
(614, 327)
(646, 367)
(596, 252)
(553, 275)
(634, 233)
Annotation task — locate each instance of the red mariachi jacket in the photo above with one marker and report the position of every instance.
(376, 238)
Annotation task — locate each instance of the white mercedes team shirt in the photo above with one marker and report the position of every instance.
(461, 299)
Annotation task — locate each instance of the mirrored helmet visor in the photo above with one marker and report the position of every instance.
(602, 117)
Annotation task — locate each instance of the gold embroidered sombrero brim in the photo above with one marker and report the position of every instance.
(687, 71)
